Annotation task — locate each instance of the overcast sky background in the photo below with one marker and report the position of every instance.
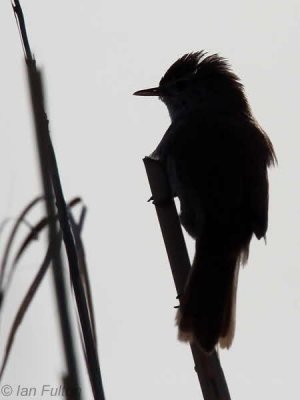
(94, 55)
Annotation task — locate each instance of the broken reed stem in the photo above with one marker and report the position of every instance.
(57, 261)
(207, 367)
(48, 156)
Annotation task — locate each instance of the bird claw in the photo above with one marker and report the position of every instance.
(178, 298)
(161, 202)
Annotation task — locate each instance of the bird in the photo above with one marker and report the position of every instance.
(217, 157)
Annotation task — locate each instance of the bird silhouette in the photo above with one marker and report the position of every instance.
(216, 156)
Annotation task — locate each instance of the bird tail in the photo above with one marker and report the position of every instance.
(207, 307)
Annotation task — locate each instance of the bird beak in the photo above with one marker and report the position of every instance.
(148, 92)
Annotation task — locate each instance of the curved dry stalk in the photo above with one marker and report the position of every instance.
(36, 229)
(33, 287)
(12, 235)
(33, 234)
(27, 300)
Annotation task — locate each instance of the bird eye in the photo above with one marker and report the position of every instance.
(180, 85)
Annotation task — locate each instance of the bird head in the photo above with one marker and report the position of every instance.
(196, 81)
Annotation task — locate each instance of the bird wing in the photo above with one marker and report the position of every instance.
(220, 165)
(259, 154)
(208, 166)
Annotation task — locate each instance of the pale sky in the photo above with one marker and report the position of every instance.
(94, 54)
